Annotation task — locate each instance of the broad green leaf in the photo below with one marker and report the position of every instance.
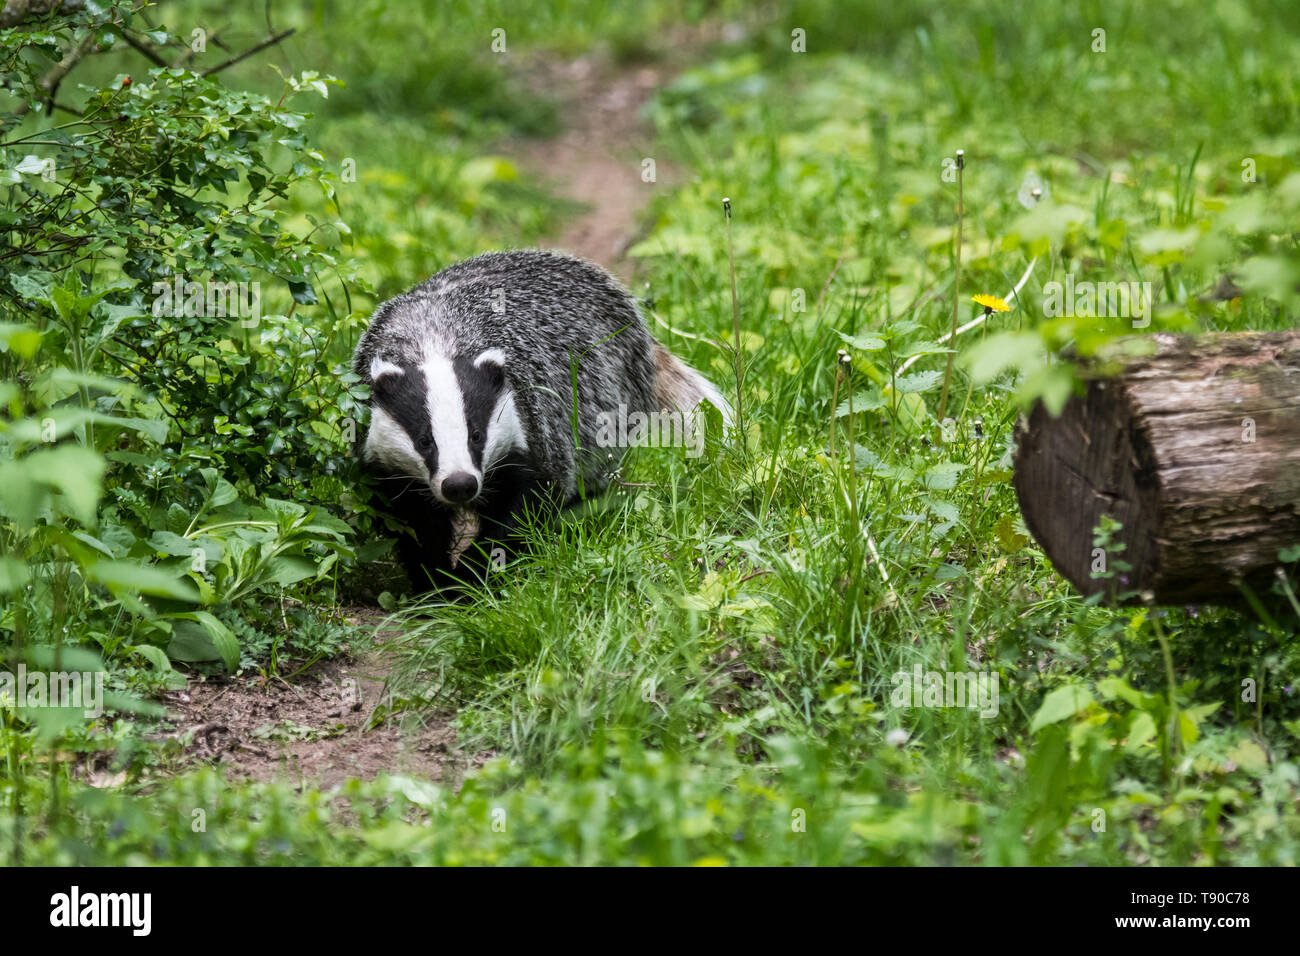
(285, 571)
(1061, 704)
(13, 574)
(1140, 731)
(34, 285)
(191, 643)
(133, 578)
(27, 483)
(988, 359)
(221, 491)
(154, 655)
(23, 340)
(1272, 276)
(223, 639)
(165, 542)
(864, 401)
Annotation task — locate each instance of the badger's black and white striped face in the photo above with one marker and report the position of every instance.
(445, 421)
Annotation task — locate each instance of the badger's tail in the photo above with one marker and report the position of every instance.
(679, 386)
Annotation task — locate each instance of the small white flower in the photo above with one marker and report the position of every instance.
(896, 737)
(1032, 190)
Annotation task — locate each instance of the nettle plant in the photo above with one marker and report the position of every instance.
(147, 439)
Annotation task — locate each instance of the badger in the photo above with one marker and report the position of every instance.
(473, 417)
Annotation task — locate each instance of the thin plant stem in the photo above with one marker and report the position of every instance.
(1172, 726)
(841, 356)
(956, 281)
(735, 326)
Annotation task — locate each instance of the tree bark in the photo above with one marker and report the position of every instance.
(1194, 449)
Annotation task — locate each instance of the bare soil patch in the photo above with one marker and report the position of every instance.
(312, 729)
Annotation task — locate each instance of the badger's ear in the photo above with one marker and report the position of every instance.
(384, 373)
(493, 364)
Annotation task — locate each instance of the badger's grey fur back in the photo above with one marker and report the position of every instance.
(535, 319)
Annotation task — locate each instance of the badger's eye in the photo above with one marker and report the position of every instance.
(426, 443)
(477, 436)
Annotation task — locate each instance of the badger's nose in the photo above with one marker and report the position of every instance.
(459, 487)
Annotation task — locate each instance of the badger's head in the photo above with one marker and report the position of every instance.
(445, 421)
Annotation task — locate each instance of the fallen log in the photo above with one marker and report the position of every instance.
(1194, 449)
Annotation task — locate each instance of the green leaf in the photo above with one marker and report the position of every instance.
(221, 492)
(1272, 276)
(23, 340)
(178, 518)
(95, 543)
(154, 655)
(302, 292)
(1047, 221)
(133, 578)
(27, 483)
(1112, 688)
(943, 476)
(864, 343)
(165, 542)
(225, 642)
(1140, 731)
(918, 382)
(1249, 756)
(192, 644)
(1061, 704)
(945, 510)
(34, 286)
(1053, 384)
(285, 571)
(1011, 540)
(13, 574)
(1001, 351)
(864, 401)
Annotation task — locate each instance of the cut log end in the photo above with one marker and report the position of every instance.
(1194, 450)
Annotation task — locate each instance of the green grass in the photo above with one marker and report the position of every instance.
(701, 668)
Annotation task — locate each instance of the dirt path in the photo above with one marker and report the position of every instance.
(599, 158)
(312, 729)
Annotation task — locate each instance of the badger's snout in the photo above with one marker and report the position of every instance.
(460, 487)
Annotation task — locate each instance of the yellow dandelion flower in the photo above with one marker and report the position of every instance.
(991, 303)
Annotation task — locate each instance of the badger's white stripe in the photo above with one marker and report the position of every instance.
(388, 443)
(504, 432)
(380, 367)
(447, 419)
